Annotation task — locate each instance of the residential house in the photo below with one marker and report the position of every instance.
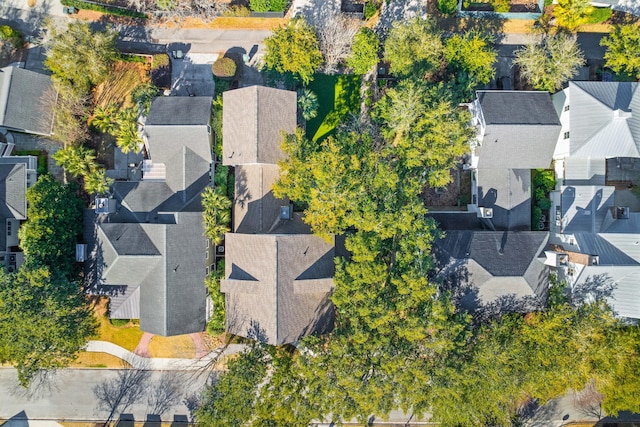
(278, 276)
(23, 95)
(149, 252)
(489, 255)
(596, 217)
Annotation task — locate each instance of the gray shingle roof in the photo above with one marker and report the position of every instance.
(13, 190)
(277, 287)
(505, 107)
(152, 249)
(21, 101)
(508, 192)
(255, 208)
(521, 130)
(253, 120)
(180, 111)
(486, 267)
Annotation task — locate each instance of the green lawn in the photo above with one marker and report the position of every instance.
(338, 96)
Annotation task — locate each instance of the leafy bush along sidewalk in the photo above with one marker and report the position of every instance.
(111, 10)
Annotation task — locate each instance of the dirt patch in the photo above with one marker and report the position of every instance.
(88, 359)
(104, 146)
(455, 195)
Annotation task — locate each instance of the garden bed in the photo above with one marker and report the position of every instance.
(454, 196)
(42, 158)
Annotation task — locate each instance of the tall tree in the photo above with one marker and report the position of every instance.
(364, 53)
(623, 49)
(78, 57)
(572, 13)
(335, 35)
(549, 64)
(54, 223)
(293, 48)
(216, 214)
(414, 47)
(44, 321)
(470, 59)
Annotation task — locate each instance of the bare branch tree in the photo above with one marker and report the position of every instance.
(335, 35)
(589, 401)
(166, 393)
(118, 394)
(206, 10)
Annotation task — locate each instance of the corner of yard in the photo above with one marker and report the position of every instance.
(338, 95)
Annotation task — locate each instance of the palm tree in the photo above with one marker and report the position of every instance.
(76, 160)
(96, 181)
(308, 103)
(103, 118)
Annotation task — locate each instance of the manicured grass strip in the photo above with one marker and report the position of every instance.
(89, 359)
(338, 96)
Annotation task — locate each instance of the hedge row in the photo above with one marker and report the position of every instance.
(112, 10)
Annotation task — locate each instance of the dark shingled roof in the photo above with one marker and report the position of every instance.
(21, 105)
(151, 254)
(505, 107)
(277, 287)
(179, 111)
(486, 268)
(508, 192)
(13, 190)
(253, 120)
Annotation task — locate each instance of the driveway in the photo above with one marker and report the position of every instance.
(191, 75)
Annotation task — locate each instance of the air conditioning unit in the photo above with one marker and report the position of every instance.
(220, 249)
(485, 212)
(286, 212)
(12, 258)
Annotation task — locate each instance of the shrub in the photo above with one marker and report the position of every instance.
(279, 5)
(119, 322)
(160, 60)
(501, 6)
(237, 10)
(370, 9)
(111, 10)
(268, 5)
(216, 324)
(447, 6)
(224, 68)
(11, 35)
(600, 14)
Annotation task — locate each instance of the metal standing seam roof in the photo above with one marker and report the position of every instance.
(584, 207)
(253, 120)
(625, 297)
(602, 119)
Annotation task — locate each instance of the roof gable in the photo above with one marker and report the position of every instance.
(21, 101)
(278, 286)
(180, 111)
(253, 120)
(504, 107)
(13, 190)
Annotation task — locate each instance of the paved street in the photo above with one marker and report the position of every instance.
(70, 395)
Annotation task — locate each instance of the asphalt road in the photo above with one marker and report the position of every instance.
(70, 394)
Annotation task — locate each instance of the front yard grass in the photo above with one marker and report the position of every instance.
(180, 346)
(127, 336)
(338, 95)
(88, 359)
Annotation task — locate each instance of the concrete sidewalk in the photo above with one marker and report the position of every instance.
(162, 364)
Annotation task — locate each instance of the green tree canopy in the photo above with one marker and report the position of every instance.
(44, 321)
(549, 64)
(414, 48)
(573, 13)
(470, 58)
(54, 223)
(364, 52)
(216, 214)
(78, 57)
(623, 49)
(293, 48)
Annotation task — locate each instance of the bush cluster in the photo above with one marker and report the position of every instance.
(268, 5)
(447, 6)
(11, 35)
